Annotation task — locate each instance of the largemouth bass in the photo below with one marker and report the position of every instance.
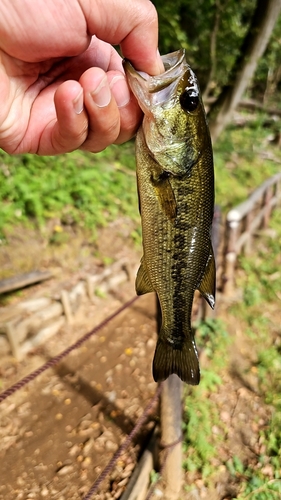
(176, 195)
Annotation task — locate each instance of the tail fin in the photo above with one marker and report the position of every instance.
(181, 361)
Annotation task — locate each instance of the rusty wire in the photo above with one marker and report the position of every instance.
(56, 359)
(167, 448)
(123, 446)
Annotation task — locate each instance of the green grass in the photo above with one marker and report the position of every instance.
(200, 412)
(90, 190)
(262, 316)
(254, 486)
(79, 188)
(240, 166)
(259, 316)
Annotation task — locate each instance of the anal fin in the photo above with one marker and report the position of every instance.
(207, 287)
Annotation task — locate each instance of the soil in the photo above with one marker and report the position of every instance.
(60, 431)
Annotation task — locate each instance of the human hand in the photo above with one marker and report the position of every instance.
(61, 87)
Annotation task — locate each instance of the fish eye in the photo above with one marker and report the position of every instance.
(189, 100)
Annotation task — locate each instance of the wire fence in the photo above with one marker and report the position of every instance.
(125, 445)
(57, 359)
(136, 429)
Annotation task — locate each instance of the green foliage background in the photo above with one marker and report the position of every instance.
(90, 190)
(191, 23)
(80, 188)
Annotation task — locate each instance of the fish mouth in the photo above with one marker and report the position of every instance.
(154, 90)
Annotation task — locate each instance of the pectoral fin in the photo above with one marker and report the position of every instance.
(143, 284)
(207, 286)
(165, 195)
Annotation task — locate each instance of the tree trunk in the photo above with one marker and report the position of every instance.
(213, 49)
(254, 45)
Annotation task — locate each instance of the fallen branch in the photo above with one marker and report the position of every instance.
(250, 104)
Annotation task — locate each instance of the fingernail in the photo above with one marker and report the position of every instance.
(160, 62)
(78, 103)
(120, 90)
(102, 95)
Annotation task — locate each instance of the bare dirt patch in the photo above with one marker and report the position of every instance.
(59, 432)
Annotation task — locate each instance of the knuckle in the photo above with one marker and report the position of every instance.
(98, 140)
(108, 131)
(113, 129)
(152, 13)
(149, 13)
(65, 141)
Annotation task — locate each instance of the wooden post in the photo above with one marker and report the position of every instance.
(230, 256)
(267, 205)
(247, 247)
(268, 195)
(277, 189)
(171, 431)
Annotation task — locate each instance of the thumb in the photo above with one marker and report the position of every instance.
(132, 24)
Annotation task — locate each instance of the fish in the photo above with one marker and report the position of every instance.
(175, 179)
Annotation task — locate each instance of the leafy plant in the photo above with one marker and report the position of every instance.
(79, 188)
(200, 412)
(212, 338)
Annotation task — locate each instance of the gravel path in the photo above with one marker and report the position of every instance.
(60, 431)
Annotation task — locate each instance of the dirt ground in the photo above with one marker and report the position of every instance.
(60, 431)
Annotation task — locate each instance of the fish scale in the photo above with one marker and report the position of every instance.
(176, 193)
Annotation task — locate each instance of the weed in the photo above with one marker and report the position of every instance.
(198, 446)
(200, 412)
(259, 478)
(154, 477)
(92, 190)
(240, 166)
(261, 284)
(79, 188)
(213, 337)
(100, 293)
(254, 485)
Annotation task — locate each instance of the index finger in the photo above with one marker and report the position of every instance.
(132, 24)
